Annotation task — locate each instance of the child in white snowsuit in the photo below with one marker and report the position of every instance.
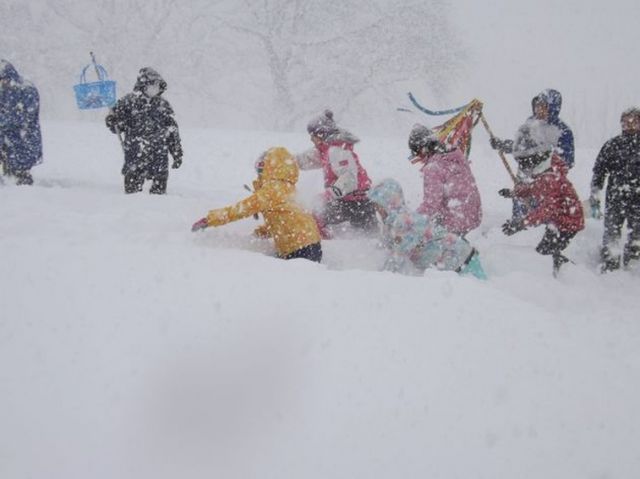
(346, 181)
(417, 243)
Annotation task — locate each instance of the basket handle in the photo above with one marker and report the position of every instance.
(100, 70)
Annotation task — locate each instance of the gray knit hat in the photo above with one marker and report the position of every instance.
(322, 125)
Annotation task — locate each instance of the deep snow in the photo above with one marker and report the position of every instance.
(133, 348)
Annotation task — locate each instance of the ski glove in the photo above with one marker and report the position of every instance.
(503, 146)
(511, 227)
(595, 207)
(200, 225)
(505, 193)
(113, 123)
(176, 163)
(496, 143)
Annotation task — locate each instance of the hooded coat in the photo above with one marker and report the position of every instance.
(413, 239)
(286, 222)
(619, 161)
(149, 127)
(565, 145)
(451, 196)
(554, 198)
(20, 136)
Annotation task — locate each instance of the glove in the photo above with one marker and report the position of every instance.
(200, 225)
(511, 227)
(112, 122)
(176, 163)
(496, 143)
(595, 207)
(261, 232)
(505, 193)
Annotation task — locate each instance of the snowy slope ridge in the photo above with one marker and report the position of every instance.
(132, 348)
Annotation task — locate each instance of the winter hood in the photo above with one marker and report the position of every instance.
(551, 97)
(146, 76)
(279, 165)
(8, 71)
(388, 195)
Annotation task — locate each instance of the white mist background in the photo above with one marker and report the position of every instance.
(359, 58)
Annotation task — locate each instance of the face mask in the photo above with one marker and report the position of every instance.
(152, 89)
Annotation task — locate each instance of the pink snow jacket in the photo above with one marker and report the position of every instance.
(451, 196)
(344, 176)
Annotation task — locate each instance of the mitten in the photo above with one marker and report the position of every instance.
(506, 193)
(200, 224)
(511, 227)
(496, 143)
(176, 162)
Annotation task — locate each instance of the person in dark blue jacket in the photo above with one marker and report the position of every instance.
(546, 107)
(20, 137)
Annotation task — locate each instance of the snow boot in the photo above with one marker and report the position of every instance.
(558, 261)
(23, 177)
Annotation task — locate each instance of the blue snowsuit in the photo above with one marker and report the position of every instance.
(20, 137)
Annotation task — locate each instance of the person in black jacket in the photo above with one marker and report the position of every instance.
(619, 163)
(150, 133)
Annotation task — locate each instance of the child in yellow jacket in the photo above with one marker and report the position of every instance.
(293, 230)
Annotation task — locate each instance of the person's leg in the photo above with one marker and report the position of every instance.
(362, 215)
(474, 267)
(553, 243)
(23, 177)
(613, 221)
(632, 247)
(519, 209)
(312, 252)
(133, 182)
(159, 185)
(332, 213)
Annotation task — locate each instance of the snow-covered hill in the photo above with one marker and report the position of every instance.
(133, 348)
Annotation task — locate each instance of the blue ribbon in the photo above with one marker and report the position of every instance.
(436, 112)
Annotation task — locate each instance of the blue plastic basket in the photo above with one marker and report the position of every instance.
(98, 94)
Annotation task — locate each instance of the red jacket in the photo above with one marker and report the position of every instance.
(554, 199)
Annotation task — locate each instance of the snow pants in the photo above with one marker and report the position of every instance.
(134, 181)
(312, 252)
(359, 213)
(553, 243)
(615, 215)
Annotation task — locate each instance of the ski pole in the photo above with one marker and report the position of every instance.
(500, 153)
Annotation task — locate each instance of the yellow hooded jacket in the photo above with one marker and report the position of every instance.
(285, 221)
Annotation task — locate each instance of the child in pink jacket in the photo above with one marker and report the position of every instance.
(451, 196)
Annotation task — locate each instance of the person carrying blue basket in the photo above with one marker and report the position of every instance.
(150, 133)
(20, 137)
